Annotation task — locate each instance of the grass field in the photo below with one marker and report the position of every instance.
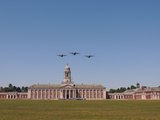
(79, 110)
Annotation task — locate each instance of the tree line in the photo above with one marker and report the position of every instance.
(122, 89)
(12, 88)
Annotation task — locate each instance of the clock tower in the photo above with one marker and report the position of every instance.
(67, 75)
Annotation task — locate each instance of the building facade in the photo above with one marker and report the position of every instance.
(13, 95)
(143, 93)
(67, 90)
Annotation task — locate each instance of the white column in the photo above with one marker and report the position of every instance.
(49, 94)
(29, 94)
(74, 93)
(104, 94)
(56, 94)
(92, 94)
(45, 94)
(54, 91)
(52, 94)
(34, 94)
(7, 96)
(78, 94)
(69, 94)
(114, 96)
(96, 93)
(37, 93)
(41, 94)
(89, 94)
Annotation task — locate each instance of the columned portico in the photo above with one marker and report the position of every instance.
(68, 93)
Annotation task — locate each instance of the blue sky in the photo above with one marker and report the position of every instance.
(123, 35)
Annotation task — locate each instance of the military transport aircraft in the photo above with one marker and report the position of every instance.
(74, 53)
(61, 55)
(89, 56)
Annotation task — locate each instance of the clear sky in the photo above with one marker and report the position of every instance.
(123, 36)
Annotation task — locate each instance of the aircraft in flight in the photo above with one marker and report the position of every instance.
(74, 53)
(89, 56)
(61, 55)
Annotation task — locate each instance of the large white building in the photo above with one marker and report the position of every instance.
(66, 90)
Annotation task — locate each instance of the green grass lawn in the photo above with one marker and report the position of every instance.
(79, 110)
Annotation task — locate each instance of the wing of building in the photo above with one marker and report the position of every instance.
(143, 93)
(67, 90)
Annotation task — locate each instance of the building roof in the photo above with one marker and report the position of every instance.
(57, 86)
(138, 90)
(44, 86)
(89, 86)
(142, 89)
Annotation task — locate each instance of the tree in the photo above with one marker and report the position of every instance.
(18, 89)
(128, 88)
(133, 87)
(12, 88)
(1, 89)
(6, 89)
(24, 89)
(112, 91)
(122, 89)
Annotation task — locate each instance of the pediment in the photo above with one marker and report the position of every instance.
(67, 86)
